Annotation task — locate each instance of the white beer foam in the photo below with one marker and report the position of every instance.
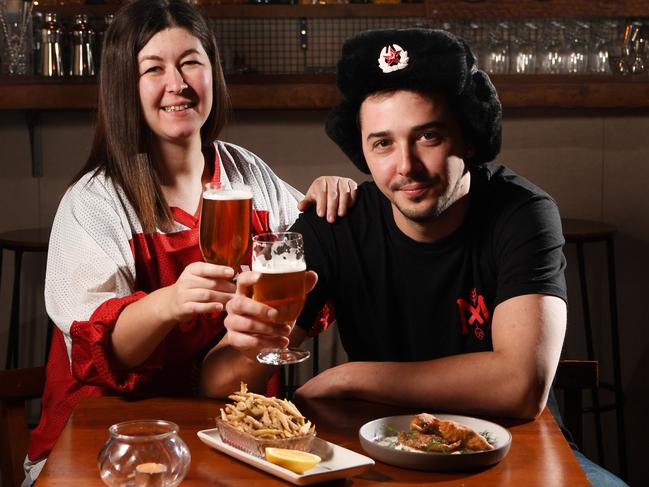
(278, 265)
(227, 194)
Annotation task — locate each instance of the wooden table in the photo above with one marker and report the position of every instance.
(539, 455)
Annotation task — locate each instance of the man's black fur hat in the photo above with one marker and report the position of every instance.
(422, 60)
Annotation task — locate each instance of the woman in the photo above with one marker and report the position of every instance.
(136, 309)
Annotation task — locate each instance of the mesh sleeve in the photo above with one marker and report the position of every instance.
(269, 192)
(90, 263)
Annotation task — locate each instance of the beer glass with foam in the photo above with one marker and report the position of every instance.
(225, 227)
(279, 257)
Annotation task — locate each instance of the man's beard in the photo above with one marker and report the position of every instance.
(430, 213)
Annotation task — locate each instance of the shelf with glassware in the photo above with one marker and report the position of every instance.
(312, 86)
(433, 9)
(245, 10)
(271, 92)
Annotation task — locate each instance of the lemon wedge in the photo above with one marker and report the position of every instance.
(295, 460)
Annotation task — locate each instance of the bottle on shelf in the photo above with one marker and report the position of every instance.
(51, 40)
(82, 61)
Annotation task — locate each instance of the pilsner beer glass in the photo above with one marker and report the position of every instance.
(225, 228)
(279, 257)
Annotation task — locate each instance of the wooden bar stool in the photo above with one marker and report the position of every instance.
(580, 232)
(20, 242)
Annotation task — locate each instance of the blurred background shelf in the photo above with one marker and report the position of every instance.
(274, 28)
(434, 9)
(319, 92)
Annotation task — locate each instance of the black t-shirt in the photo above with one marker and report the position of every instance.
(396, 299)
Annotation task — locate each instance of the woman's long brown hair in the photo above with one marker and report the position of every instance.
(121, 145)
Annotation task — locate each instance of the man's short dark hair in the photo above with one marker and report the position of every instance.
(423, 60)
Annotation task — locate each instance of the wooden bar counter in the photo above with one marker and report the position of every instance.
(539, 455)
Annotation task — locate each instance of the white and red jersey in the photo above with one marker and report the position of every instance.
(100, 261)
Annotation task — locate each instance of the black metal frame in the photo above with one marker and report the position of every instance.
(618, 404)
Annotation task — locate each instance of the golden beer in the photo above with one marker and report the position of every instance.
(284, 291)
(225, 227)
(279, 258)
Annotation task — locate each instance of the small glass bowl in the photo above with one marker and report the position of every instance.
(144, 452)
(257, 446)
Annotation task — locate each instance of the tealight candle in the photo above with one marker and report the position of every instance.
(150, 474)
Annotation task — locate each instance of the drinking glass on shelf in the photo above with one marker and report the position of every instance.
(604, 47)
(279, 257)
(552, 60)
(225, 224)
(497, 53)
(524, 55)
(634, 56)
(16, 38)
(576, 48)
(641, 45)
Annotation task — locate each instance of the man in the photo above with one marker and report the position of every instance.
(447, 276)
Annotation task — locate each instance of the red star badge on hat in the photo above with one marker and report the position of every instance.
(393, 57)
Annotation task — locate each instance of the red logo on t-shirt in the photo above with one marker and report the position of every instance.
(474, 314)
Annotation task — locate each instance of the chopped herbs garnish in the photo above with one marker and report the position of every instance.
(491, 439)
(411, 435)
(390, 431)
(433, 443)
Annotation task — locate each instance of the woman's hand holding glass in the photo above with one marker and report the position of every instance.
(202, 288)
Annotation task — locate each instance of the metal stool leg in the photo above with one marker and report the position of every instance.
(14, 322)
(290, 386)
(590, 350)
(48, 339)
(617, 368)
(1, 256)
(316, 356)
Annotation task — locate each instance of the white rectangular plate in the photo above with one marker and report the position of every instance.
(337, 462)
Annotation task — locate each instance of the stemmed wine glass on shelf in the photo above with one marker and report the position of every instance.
(15, 37)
